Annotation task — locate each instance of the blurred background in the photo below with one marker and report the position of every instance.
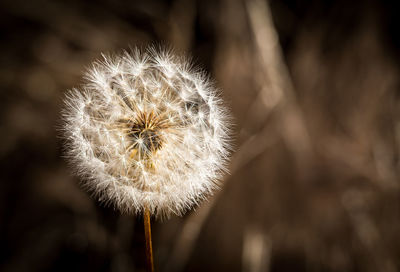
(313, 184)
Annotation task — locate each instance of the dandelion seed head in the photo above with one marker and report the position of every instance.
(147, 130)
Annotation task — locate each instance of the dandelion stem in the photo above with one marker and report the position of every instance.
(149, 247)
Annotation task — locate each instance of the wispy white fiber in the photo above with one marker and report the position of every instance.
(147, 130)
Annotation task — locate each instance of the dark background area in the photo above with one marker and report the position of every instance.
(313, 184)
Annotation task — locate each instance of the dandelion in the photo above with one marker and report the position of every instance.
(147, 131)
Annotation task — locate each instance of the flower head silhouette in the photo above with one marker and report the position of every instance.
(147, 130)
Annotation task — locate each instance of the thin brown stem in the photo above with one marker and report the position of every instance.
(149, 247)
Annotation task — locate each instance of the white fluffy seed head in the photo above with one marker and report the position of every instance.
(147, 131)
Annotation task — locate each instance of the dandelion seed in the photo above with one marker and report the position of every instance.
(147, 131)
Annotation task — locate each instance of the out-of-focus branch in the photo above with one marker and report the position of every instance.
(277, 87)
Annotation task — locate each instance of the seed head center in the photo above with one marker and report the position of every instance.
(145, 134)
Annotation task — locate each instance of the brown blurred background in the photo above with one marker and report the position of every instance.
(314, 183)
